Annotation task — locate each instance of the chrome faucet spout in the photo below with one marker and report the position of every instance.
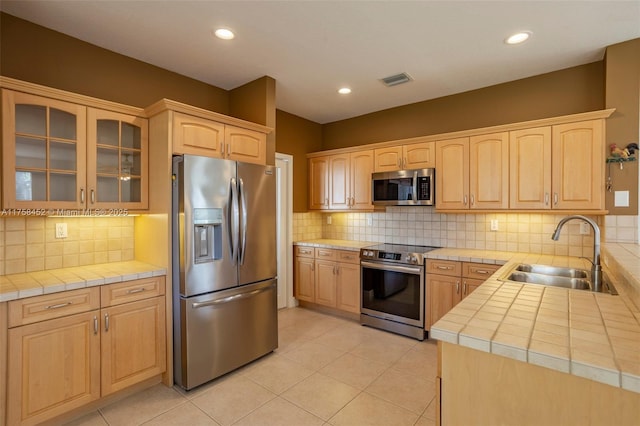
(596, 268)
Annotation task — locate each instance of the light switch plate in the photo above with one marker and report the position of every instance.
(621, 199)
(494, 224)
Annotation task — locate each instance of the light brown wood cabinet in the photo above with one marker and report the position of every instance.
(199, 136)
(341, 181)
(448, 282)
(577, 176)
(67, 349)
(558, 167)
(61, 155)
(328, 277)
(117, 160)
(473, 173)
(411, 156)
(304, 278)
(530, 168)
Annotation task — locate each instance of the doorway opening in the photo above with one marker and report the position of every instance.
(284, 212)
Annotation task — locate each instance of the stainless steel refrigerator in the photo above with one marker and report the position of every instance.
(224, 266)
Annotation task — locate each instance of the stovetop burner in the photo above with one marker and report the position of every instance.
(396, 253)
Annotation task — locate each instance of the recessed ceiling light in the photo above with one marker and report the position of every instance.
(224, 34)
(518, 38)
(344, 90)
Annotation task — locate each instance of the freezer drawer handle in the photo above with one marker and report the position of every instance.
(224, 300)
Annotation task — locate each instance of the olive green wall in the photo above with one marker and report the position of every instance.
(297, 137)
(256, 102)
(623, 127)
(39, 55)
(567, 91)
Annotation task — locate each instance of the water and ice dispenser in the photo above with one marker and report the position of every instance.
(207, 235)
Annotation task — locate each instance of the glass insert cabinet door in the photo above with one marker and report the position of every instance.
(117, 160)
(44, 151)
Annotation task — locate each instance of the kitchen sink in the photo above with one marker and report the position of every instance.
(553, 271)
(550, 280)
(555, 276)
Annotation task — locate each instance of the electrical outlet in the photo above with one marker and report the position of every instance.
(329, 220)
(494, 224)
(369, 221)
(61, 230)
(584, 228)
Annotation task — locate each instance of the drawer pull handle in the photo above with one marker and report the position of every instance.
(59, 305)
(445, 268)
(348, 257)
(136, 290)
(482, 271)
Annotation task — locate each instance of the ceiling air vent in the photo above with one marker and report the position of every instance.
(394, 80)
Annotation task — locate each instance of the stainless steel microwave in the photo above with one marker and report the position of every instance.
(403, 188)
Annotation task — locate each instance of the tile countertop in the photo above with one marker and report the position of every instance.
(335, 244)
(591, 335)
(19, 286)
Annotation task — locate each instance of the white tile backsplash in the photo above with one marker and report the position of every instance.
(621, 229)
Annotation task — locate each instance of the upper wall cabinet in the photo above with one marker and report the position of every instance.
(530, 168)
(199, 136)
(341, 181)
(410, 156)
(558, 167)
(43, 152)
(117, 160)
(577, 176)
(63, 155)
(473, 173)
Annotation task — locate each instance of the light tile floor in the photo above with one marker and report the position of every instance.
(326, 371)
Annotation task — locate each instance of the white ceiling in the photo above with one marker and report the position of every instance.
(311, 48)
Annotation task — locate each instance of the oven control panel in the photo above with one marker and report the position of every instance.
(411, 258)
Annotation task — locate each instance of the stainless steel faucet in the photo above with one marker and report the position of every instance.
(596, 269)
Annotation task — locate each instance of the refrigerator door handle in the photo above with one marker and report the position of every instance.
(224, 300)
(233, 220)
(243, 224)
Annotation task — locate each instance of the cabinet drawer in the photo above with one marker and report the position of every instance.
(302, 251)
(478, 270)
(325, 254)
(348, 256)
(50, 306)
(129, 291)
(444, 267)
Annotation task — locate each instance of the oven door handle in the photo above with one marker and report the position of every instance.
(416, 270)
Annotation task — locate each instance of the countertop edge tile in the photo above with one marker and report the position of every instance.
(64, 279)
(598, 374)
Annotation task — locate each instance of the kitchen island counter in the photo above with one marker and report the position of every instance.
(530, 354)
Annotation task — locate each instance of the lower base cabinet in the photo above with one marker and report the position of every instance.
(328, 277)
(448, 282)
(60, 359)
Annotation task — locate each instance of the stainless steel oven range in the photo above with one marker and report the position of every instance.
(393, 288)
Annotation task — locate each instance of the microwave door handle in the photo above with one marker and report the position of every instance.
(243, 223)
(415, 187)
